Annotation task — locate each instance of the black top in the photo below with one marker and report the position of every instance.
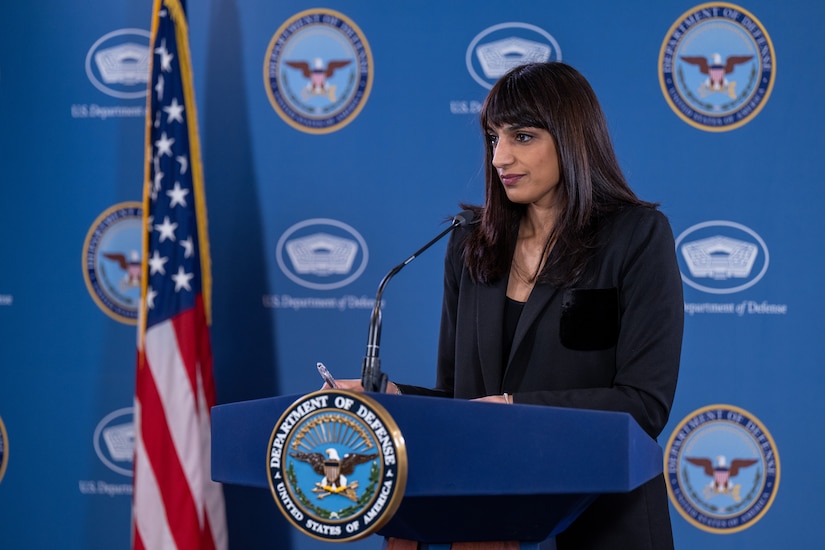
(512, 312)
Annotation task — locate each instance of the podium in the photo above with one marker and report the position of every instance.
(476, 471)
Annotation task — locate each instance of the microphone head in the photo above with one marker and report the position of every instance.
(465, 217)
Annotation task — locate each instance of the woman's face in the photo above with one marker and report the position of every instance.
(527, 164)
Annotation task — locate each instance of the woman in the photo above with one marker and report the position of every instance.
(567, 292)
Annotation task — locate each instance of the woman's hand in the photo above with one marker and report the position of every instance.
(355, 385)
(505, 399)
(351, 385)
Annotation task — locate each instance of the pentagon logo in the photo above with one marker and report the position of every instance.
(721, 257)
(499, 48)
(322, 254)
(114, 441)
(117, 64)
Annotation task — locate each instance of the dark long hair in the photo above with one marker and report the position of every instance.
(557, 98)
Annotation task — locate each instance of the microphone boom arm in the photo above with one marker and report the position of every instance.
(372, 379)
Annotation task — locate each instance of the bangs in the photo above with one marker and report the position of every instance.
(511, 103)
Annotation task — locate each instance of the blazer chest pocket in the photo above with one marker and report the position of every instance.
(589, 318)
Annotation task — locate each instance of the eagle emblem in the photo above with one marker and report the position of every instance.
(317, 76)
(721, 474)
(717, 72)
(130, 267)
(334, 470)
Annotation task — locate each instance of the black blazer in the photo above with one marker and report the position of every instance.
(612, 342)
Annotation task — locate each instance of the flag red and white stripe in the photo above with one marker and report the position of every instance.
(176, 505)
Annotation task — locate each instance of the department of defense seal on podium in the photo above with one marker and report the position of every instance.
(337, 465)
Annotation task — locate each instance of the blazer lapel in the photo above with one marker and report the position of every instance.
(490, 323)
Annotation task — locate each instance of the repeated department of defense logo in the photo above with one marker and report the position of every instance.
(114, 441)
(722, 469)
(112, 261)
(322, 254)
(717, 66)
(337, 465)
(117, 64)
(721, 257)
(4, 449)
(502, 47)
(318, 71)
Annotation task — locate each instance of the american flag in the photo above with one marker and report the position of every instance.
(175, 502)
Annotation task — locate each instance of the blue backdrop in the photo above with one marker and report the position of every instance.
(314, 194)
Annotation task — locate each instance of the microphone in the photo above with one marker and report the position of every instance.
(372, 378)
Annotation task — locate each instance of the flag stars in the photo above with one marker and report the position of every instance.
(184, 163)
(158, 175)
(174, 111)
(172, 319)
(157, 263)
(165, 57)
(167, 229)
(156, 184)
(150, 298)
(159, 91)
(188, 247)
(164, 145)
(177, 196)
(182, 279)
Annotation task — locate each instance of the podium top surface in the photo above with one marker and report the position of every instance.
(464, 448)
